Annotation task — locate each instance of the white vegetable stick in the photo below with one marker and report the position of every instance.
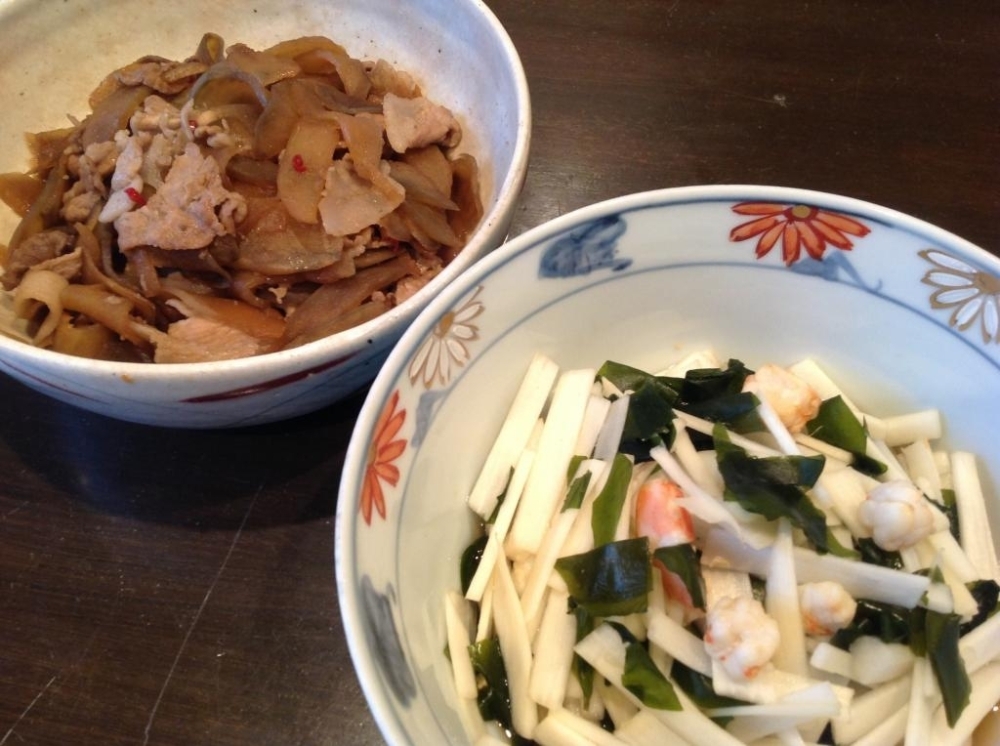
(816, 701)
(906, 428)
(697, 502)
(791, 738)
(812, 373)
(605, 651)
(673, 638)
(973, 520)
(922, 468)
(868, 710)
(878, 450)
(472, 720)
(546, 482)
(891, 729)
(786, 443)
(498, 531)
(912, 559)
(782, 603)
(645, 729)
(577, 730)
(846, 493)
(984, 696)
(515, 646)
(594, 417)
(981, 645)
(921, 706)
(484, 629)
(860, 579)
(693, 361)
(620, 709)
(831, 452)
(760, 731)
(830, 659)
(610, 436)
(458, 622)
(543, 565)
(875, 662)
(514, 434)
(696, 467)
(553, 651)
(581, 535)
(705, 428)
(771, 685)
(592, 710)
(963, 602)
(519, 570)
(724, 582)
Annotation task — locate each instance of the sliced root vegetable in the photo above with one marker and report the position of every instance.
(890, 729)
(973, 520)
(832, 660)
(605, 651)
(869, 709)
(563, 728)
(458, 621)
(923, 698)
(985, 694)
(680, 643)
(514, 434)
(861, 580)
(912, 426)
(546, 482)
(697, 502)
(498, 531)
(781, 601)
(553, 652)
(874, 662)
(594, 421)
(516, 648)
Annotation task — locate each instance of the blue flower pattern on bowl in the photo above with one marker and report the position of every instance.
(591, 247)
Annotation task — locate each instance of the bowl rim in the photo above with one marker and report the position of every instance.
(345, 527)
(349, 341)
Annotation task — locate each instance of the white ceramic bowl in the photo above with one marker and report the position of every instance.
(906, 319)
(54, 54)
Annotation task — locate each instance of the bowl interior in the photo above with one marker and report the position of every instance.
(644, 280)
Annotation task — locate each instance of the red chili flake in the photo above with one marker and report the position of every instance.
(298, 164)
(133, 195)
(193, 124)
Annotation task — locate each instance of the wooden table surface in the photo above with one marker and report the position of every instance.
(177, 587)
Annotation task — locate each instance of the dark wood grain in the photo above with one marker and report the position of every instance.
(176, 587)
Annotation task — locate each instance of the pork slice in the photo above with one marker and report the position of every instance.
(417, 122)
(188, 212)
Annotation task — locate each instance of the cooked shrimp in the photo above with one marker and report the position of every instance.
(659, 515)
(897, 515)
(793, 400)
(826, 607)
(740, 636)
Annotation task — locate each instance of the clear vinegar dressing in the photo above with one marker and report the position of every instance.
(634, 524)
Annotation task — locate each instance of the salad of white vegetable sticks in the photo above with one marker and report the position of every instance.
(715, 554)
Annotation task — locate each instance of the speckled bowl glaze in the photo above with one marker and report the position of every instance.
(902, 314)
(54, 54)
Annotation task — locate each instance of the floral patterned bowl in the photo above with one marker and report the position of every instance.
(902, 313)
(458, 51)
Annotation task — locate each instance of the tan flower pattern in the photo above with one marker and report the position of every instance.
(972, 295)
(446, 348)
